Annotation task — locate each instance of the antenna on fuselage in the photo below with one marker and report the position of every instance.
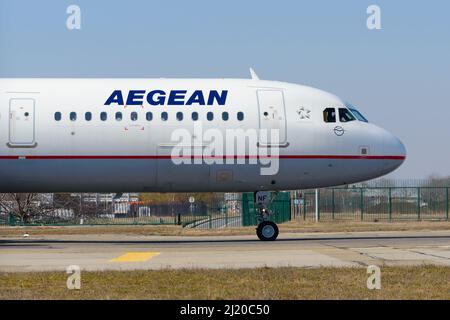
(253, 74)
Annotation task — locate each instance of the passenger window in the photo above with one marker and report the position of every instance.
(345, 115)
(88, 116)
(103, 116)
(58, 116)
(329, 115)
(164, 116)
(134, 116)
(195, 116)
(210, 116)
(240, 116)
(119, 116)
(225, 116)
(73, 116)
(149, 116)
(179, 116)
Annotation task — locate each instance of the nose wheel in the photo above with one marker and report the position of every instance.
(267, 231)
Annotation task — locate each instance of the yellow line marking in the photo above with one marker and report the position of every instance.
(135, 257)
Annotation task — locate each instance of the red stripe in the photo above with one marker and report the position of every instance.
(109, 157)
(343, 157)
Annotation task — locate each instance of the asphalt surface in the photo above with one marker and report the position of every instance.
(127, 252)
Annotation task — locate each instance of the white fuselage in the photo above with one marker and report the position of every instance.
(96, 135)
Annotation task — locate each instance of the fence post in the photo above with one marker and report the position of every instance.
(81, 208)
(304, 206)
(292, 202)
(226, 218)
(332, 204)
(318, 199)
(210, 222)
(418, 203)
(362, 204)
(390, 204)
(446, 204)
(317, 196)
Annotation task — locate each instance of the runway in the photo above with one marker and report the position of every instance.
(128, 252)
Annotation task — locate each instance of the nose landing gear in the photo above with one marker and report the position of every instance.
(266, 230)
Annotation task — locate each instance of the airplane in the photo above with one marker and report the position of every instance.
(155, 135)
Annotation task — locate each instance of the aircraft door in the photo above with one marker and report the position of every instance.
(21, 122)
(272, 115)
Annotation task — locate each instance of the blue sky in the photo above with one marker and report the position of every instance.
(398, 76)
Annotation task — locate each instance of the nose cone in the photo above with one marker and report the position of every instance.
(395, 152)
(393, 146)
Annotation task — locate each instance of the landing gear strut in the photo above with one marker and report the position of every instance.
(266, 230)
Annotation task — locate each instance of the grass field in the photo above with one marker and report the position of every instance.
(290, 227)
(423, 282)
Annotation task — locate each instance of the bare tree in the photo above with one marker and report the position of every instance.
(38, 207)
(23, 206)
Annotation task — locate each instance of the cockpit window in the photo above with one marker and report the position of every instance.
(345, 115)
(358, 115)
(329, 115)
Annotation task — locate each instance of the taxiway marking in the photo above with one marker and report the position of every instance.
(135, 257)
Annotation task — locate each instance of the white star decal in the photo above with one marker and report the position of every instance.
(304, 113)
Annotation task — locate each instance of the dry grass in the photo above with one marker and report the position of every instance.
(290, 227)
(424, 282)
(361, 226)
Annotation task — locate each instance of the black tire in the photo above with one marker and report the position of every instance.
(267, 231)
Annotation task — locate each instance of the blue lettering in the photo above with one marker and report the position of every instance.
(214, 95)
(160, 99)
(197, 97)
(116, 97)
(135, 97)
(174, 97)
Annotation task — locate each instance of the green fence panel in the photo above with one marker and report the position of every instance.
(280, 207)
(11, 219)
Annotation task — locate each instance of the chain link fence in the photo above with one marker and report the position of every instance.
(372, 204)
(88, 209)
(353, 203)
